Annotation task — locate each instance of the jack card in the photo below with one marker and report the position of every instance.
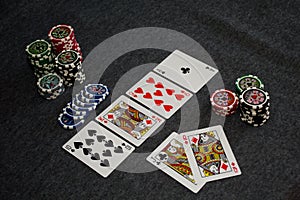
(130, 120)
(159, 94)
(170, 157)
(98, 148)
(209, 152)
(186, 71)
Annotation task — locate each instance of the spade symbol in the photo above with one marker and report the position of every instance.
(118, 149)
(92, 132)
(107, 153)
(95, 157)
(104, 163)
(89, 141)
(78, 145)
(100, 138)
(185, 70)
(109, 143)
(86, 151)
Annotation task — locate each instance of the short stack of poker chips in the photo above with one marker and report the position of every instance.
(40, 56)
(62, 37)
(247, 81)
(68, 65)
(224, 102)
(85, 101)
(50, 86)
(255, 106)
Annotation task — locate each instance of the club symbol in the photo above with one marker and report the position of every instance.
(185, 70)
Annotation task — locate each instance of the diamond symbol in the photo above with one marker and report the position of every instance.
(110, 116)
(224, 166)
(194, 140)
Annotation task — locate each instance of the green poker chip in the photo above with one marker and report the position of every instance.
(248, 81)
(38, 49)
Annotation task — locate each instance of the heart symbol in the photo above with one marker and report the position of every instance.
(147, 96)
(91, 132)
(96, 156)
(170, 91)
(139, 90)
(89, 142)
(118, 150)
(158, 102)
(100, 138)
(86, 151)
(148, 121)
(179, 96)
(78, 145)
(158, 93)
(109, 144)
(159, 85)
(104, 163)
(150, 80)
(107, 153)
(168, 108)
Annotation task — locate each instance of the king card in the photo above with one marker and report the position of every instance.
(170, 157)
(159, 94)
(130, 120)
(98, 148)
(209, 152)
(186, 71)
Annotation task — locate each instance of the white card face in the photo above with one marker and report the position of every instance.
(98, 148)
(170, 157)
(130, 120)
(186, 71)
(208, 151)
(159, 94)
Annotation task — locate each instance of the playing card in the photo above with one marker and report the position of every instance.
(98, 148)
(209, 152)
(186, 71)
(170, 157)
(159, 94)
(130, 120)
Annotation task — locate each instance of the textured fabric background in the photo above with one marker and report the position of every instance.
(258, 37)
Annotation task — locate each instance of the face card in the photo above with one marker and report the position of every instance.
(186, 71)
(170, 157)
(159, 94)
(209, 151)
(98, 148)
(130, 120)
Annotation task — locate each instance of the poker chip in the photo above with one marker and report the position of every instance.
(40, 57)
(224, 102)
(62, 38)
(68, 122)
(68, 65)
(254, 106)
(77, 101)
(247, 81)
(96, 91)
(50, 86)
(83, 98)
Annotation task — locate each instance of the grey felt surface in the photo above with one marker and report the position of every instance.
(242, 37)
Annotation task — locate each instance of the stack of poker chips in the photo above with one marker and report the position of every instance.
(62, 38)
(255, 106)
(247, 81)
(74, 114)
(68, 65)
(224, 102)
(41, 58)
(50, 86)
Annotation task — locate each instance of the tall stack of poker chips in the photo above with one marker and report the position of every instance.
(224, 102)
(40, 56)
(68, 65)
(74, 114)
(50, 86)
(255, 106)
(247, 81)
(62, 38)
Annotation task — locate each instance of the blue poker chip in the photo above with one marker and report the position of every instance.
(68, 122)
(80, 108)
(96, 91)
(80, 103)
(72, 110)
(85, 99)
(69, 112)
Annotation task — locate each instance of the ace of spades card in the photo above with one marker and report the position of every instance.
(170, 157)
(159, 94)
(98, 148)
(209, 152)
